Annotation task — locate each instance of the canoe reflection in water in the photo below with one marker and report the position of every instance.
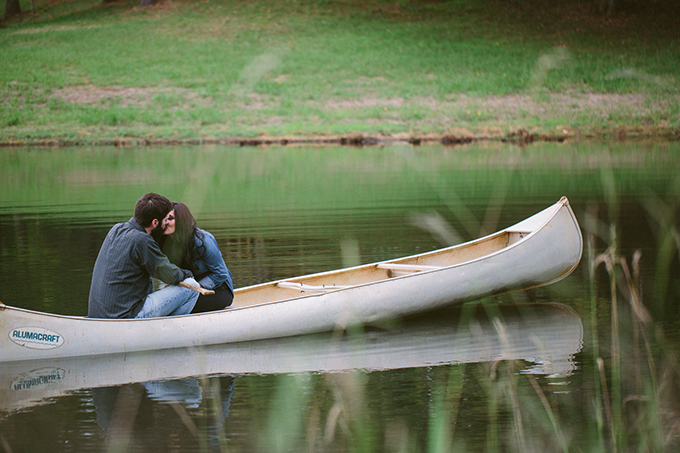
(544, 335)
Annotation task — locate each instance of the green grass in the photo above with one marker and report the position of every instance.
(226, 68)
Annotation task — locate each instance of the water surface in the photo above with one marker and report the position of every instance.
(466, 377)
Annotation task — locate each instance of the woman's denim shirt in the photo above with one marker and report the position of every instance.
(210, 262)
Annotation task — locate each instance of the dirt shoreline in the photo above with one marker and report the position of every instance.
(519, 136)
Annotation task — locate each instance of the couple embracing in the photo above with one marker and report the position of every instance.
(161, 241)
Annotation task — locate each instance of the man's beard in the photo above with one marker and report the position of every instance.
(157, 233)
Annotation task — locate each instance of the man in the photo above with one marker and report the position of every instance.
(121, 281)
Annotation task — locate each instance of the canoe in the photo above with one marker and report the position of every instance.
(542, 337)
(537, 251)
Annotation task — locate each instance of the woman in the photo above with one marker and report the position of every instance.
(190, 247)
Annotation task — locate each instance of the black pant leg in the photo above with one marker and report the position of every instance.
(222, 298)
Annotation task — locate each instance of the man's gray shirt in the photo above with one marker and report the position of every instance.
(121, 279)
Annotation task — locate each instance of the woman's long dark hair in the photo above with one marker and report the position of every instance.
(179, 246)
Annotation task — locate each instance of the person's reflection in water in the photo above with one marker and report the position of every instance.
(104, 399)
(137, 414)
(186, 392)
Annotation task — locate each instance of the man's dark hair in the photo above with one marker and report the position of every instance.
(151, 206)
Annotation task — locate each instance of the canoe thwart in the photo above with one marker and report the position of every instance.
(407, 267)
(395, 270)
(309, 288)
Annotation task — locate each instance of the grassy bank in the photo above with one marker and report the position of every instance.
(225, 70)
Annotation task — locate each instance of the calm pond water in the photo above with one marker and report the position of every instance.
(573, 366)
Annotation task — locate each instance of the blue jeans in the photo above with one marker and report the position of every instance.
(170, 301)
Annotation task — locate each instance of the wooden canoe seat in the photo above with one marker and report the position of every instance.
(395, 270)
(309, 288)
